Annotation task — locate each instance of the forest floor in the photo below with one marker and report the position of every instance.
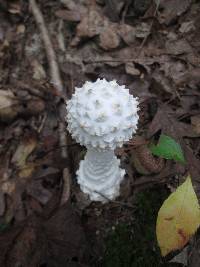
(47, 48)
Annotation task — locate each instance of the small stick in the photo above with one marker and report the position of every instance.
(55, 74)
(150, 28)
(54, 69)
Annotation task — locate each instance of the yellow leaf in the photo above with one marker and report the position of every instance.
(178, 218)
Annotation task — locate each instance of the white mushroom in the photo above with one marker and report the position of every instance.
(101, 116)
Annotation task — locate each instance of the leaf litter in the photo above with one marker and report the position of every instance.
(40, 202)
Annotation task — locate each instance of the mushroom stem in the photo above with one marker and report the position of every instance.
(100, 172)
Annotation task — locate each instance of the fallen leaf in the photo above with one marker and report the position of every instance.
(14, 7)
(161, 83)
(127, 33)
(195, 120)
(27, 170)
(131, 69)
(8, 105)
(143, 160)
(168, 148)
(178, 218)
(24, 149)
(37, 70)
(142, 30)
(90, 26)
(166, 121)
(187, 26)
(109, 39)
(21, 29)
(169, 11)
(24, 250)
(38, 192)
(8, 187)
(177, 47)
(113, 8)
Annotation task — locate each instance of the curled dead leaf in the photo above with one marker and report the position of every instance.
(144, 162)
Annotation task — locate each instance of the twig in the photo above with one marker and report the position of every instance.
(42, 123)
(150, 28)
(66, 186)
(54, 69)
(55, 74)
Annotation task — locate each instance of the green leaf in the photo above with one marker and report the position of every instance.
(168, 148)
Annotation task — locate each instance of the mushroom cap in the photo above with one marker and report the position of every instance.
(102, 114)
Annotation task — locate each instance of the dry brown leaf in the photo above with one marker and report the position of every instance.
(127, 33)
(21, 29)
(38, 240)
(25, 148)
(169, 11)
(178, 47)
(187, 26)
(37, 191)
(8, 105)
(142, 30)
(14, 7)
(90, 26)
(164, 120)
(195, 120)
(109, 39)
(161, 83)
(8, 187)
(144, 162)
(38, 70)
(131, 69)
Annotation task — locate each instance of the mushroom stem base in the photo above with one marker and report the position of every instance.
(99, 175)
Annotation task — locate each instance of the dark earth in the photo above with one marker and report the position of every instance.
(47, 48)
